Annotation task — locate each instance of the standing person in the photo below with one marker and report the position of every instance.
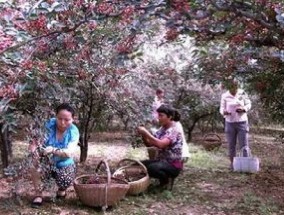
(168, 139)
(61, 143)
(185, 149)
(158, 101)
(234, 106)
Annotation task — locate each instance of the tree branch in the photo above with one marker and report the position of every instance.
(64, 30)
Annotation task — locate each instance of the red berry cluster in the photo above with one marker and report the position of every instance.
(121, 71)
(113, 83)
(262, 2)
(125, 46)
(70, 43)
(5, 42)
(42, 46)
(8, 91)
(50, 1)
(180, 5)
(82, 75)
(127, 14)
(38, 25)
(105, 8)
(41, 66)
(85, 54)
(171, 34)
(27, 64)
(79, 3)
(238, 39)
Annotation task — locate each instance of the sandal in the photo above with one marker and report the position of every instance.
(37, 202)
(61, 194)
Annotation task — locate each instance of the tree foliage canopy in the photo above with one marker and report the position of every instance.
(83, 51)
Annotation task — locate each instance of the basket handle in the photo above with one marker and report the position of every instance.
(212, 134)
(134, 161)
(107, 169)
(241, 152)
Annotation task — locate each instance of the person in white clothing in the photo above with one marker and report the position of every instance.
(234, 106)
(185, 149)
(158, 101)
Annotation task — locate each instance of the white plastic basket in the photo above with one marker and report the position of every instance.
(247, 164)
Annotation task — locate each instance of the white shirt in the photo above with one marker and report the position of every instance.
(156, 104)
(185, 149)
(230, 103)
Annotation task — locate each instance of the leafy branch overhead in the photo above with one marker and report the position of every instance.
(94, 54)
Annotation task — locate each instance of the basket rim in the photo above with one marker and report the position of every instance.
(212, 134)
(144, 179)
(132, 160)
(101, 176)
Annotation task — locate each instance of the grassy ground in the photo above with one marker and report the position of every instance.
(206, 186)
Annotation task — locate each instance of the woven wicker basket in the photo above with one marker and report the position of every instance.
(100, 194)
(133, 168)
(211, 141)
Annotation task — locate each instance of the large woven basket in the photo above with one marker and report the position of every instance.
(131, 172)
(212, 141)
(100, 194)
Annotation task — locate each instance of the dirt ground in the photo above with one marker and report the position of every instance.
(206, 185)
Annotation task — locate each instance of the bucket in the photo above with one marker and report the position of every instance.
(247, 164)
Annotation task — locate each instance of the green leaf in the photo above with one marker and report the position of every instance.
(45, 5)
(56, 6)
(11, 31)
(42, 10)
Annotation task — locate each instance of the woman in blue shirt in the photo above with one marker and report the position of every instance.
(61, 143)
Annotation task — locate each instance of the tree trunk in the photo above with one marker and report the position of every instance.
(84, 148)
(4, 144)
(9, 142)
(189, 131)
(195, 120)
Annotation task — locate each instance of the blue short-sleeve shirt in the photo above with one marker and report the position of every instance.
(70, 135)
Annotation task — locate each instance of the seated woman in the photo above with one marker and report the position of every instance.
(169, 140)
(61, 143)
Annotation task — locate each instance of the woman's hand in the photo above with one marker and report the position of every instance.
(145, 134)
(240, 109)
(32, 147)
(141, 130)
(49, 150)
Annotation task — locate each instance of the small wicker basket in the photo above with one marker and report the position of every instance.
(132, 172)
(211, 141)
(153, 152)
(100, 194)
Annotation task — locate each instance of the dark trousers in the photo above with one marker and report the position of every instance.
(161, 170)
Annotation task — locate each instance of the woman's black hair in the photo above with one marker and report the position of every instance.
(65, 106)
(170, 112)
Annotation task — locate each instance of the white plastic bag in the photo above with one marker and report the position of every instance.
(247, 164)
